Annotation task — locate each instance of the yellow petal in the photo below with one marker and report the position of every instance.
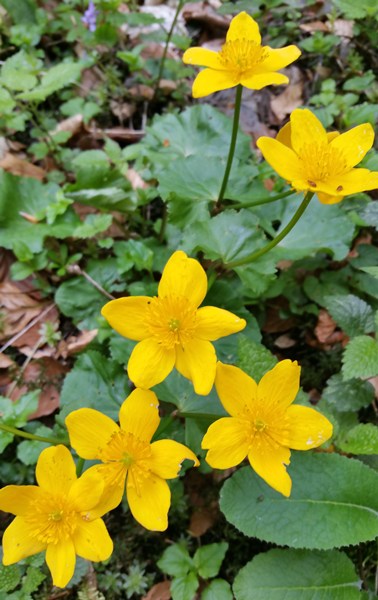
(209, 81)
(277, 58)
(279, 387)
(86, 492)
(183, 276)
(19, 543)
(283, 159)
(260, 80)
(284, 135)
(328, 199)
(114, 476)
(89, 431)
(128, 316)
(331, 135)
(149, 503)
(236, 390)
(305, 429)
(306, 129)
(243, 27)
(354, 144)
(56, 470)
(203, 57)
(139, 414)
(92, 540)
(269, 460)
(227, 441)
(197, 357)
(214, 323)
(17, 499)
(150, 363)
(353, 182)
(167, 457)
(61, 560)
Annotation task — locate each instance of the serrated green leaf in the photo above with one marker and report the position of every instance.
(184, 588)
(322, 494)
(94, 382)
(348, 395)
(362, 439)
(208, 559)
(353, 10)
(53, 80)
(32, 580)
(92, 225)
(10, 577)
(133, 253)
(360, 358)
(351, 313)
(254, 358)
(175, 561)
(218, 589)
(298, 575)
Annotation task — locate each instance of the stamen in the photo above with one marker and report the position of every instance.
(242, 55)
(171, 320)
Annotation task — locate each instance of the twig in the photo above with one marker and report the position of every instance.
(75, 269)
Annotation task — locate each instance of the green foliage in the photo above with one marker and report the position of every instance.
(352, 314)
(15, 414)
(360, 358)
(321, 494)
(254, 358)
(298, 575)
(349, 395)
(185, 570)
(361, 439)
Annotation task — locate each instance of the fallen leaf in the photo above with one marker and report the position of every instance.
(284, 341)
(17, 166)
(160, 591)
(341, 27)
(46, 374)
(17, 309)
(72, 125)
(285, 103)
(76, 343)
(5, 361)
(314, 26)
(325, 326)
(122, 110)
(135, 179)
(201, 521)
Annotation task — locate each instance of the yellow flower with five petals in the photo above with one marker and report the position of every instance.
(264, 424)
(313, 160)
(172, 331)
(129, 458)
(242, 60)
(57, 515)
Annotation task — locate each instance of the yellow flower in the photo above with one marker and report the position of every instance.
(129, 458)
(263, 425)
(312, 159)
(173, 331)
(242, 60)
(57, 516)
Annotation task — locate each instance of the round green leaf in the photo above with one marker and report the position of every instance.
(298, 575)
(333, 503)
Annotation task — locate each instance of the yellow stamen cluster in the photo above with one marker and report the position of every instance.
(52, 520)
(320, 161)
(171, 320)
(241, 55)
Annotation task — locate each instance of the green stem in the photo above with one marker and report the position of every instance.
(235, 128)
(31, 436)
(163, 224)
(263, 200)
(169, 35)
(297, 215)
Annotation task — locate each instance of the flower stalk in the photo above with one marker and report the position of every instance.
(231, 152)
(262, 201)
(31, 436)
(293, 221)
(169, 36)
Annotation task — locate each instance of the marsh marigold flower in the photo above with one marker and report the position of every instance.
(264, 424)
(242, 60)
(57, 516)
(172, 330)
(313, 160)
(129, 458)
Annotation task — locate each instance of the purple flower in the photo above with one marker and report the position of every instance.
(89, 17)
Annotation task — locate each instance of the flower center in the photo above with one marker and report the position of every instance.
(242, 55)
(52, 520)
(321, 161)
(259, 425)
(171, 320)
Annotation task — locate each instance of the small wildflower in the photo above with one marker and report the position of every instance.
(90, 16)
(313, 160)
(264, 424)
(172, 331)
(56, 516)
(129, 458)
(242, 60)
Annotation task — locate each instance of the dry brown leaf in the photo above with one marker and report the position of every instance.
(27, 341)
(5, 361)
(17, 309)
(141, 91)
(17, 166)
(325, 326)
(201, 521)
(160, 591)
(135, 179)
(47, 374)
(284, 341)
(374, 383)
(205, 14)
(72, 125)
(76, 343)
(122, 110)
(167, 86)
(342, 27)
(314, 26)
(286, 102)
(118, 133)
